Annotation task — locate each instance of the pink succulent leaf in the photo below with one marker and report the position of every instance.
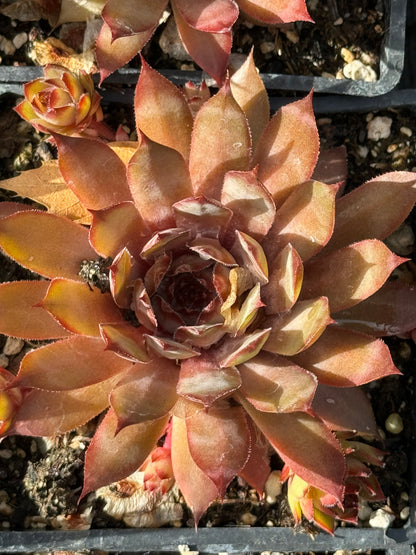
(219, 443)
(221, 129)
(9, 208)
(374, 210)
(164, 347)
(239, 319)
(158, 177)
(131, 17)
(251, 95)
(204, 381)
(111, 55)
(209, 50)
(112, 456)
(73, 363)
(203, 216)
(93, 171)
(162, 112)
(349, 275)
(250, 255)
(389, 311)
(47, 244)
(306, 445)
(250, 203)
(297, 329)
(20, 314)
(145, 392)
(285, 281)
(78, 308)
(198, 490)
(142, 306)
(288, 149)
(273, 384)
(210, 16)
(202, 335)
(117, 227)
(273, 12)
(210, 248)
(48, 413)
(345, 409)
(257, 468)
(156, 273)
(345, 358)
(125, 340)
(305, 220)
(331, 167)
(237, 350)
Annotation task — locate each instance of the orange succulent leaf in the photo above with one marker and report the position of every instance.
(46, 244)
(389, 311)
(162, 112)
(129, 17)
(211, 16)
(72, 10)
(349, 275)
(158, 177)
(331, 167)
(272, 12)
(257, 468)
(78, 308)
(249, 91)
(298, 328)
(305, 220)
(147, 391)
(93, 171)
(209, 50)
(112, 456)
(21, 316)
(345, 409)
(288, 149)
(46, 186)
(273, 384)
(374, 210)
(345, 358)
(285, 281)
(125, 340)
(219, 443)
(305, 444)
(48, 413)
(221, 129)
(111, 55)
(73, 363)
(198, 490)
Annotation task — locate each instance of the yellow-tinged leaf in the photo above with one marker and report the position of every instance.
(46, 186)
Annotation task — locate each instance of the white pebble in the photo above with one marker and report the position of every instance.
(404, 513)
(357, 71)
(379, 128)
(381, 519)
(394, 423)
(4, 361)
(13, 346)
(406, 131)
(19, 40)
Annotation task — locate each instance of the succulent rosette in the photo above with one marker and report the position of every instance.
(230, 312)
(61, 102)
(205, 28)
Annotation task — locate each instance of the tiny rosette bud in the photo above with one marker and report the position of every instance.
(61, 101)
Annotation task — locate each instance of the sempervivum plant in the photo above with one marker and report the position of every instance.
(213, 294)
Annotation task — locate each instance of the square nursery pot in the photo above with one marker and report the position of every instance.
(390, 69)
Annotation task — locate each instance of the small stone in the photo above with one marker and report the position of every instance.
(391, 148)
(292, 36)
(404, 513)
(363, 151)
(402, 240)
(248, 519)
(6, 46)
(267, 47)
(364, 510)
(381, 519)
(347, 55)
(19, 40)
(394, 423)
(4, 361)
(404, 495)
(273, 486)
(6, 454)
(406, 131)
(171, 44)
(357, 71)
(338, 21)
(13, 346)
(379, 128)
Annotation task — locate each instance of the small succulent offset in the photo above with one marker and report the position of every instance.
(238, 292)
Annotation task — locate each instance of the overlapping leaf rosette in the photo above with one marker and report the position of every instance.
(234, 280)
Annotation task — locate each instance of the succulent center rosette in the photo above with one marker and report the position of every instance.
(238, 293)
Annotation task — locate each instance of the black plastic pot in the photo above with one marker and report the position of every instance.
(391, 67)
